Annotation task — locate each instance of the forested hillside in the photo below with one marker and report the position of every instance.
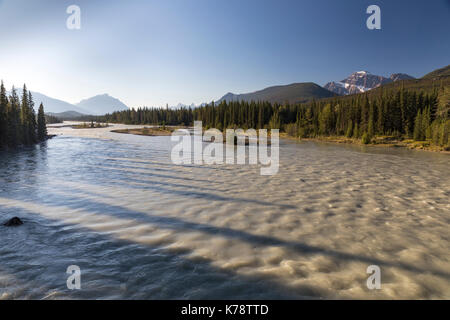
(292, 93)
(439, 73)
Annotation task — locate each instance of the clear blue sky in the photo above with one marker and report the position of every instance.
(170, 51)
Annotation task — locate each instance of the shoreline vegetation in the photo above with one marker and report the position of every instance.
(91, 125)
(386, 141)
(379, 141)
(84, 125)
(19, 124)
(149, 131)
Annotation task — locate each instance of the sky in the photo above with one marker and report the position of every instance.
(149, 53)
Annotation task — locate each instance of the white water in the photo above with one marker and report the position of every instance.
(140, 227)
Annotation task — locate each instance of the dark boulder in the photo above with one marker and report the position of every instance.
(13, 222)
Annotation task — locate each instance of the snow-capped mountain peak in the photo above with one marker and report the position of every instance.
(362, 81)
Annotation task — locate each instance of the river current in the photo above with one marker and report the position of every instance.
(140, 227)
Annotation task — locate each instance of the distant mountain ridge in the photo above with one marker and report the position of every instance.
(101, 104)
(293, 93)
(51, 105)
(66, 115)
(362, 81)
(97, 105)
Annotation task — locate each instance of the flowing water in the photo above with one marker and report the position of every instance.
(139, 226)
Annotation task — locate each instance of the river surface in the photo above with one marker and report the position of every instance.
(141, 227)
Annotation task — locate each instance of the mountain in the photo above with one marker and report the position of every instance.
(429, 83)
(101, 104)
(400, 76)
(294, 93)
(97, 105)
(54, 105)
(362, 81)
(51, 105)
(439, 73)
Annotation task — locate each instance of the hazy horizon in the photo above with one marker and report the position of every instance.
(157, 53)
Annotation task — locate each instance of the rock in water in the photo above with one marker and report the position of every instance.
(13, 222)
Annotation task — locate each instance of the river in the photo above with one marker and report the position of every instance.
(140, 227)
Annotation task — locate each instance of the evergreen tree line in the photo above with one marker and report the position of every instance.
(399, 113)
(402, 113)
(19, 124)
(52, 119)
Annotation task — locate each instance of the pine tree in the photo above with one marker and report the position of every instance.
(275, 121)
(444, 133)
(380, 115)
(14, 132)
(356, 131)
(365, 139)
(24, 117)
(3, 116)
(326, 120)
(41, 127)
(349, 132)
(371, 125)
(418, 132)
(426, 123)
(32, 119)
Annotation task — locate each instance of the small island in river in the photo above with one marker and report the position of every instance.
(148, 131)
